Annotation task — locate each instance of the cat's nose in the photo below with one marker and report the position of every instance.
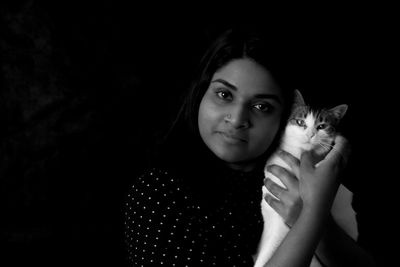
(311, 134)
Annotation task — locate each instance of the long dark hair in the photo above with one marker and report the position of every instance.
(182, 146)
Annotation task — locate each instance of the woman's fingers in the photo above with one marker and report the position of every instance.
(287, 204)
(274, 188)
(286, 177)
(292, 161)
(285, 201)
(276, 204)
(318, 183)
(308, 160)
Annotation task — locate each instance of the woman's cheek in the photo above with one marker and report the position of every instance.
(209, 114)
(206, 119)
(264, 136)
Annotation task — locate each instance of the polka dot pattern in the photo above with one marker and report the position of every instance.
(166, 226)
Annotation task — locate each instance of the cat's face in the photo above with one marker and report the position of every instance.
(313, 129)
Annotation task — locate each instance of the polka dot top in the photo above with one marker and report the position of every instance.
(168, 224)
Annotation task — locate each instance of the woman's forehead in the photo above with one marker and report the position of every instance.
(247, 77)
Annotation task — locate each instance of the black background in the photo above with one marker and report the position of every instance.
(85, 88)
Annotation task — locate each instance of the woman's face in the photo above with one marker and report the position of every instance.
(240, 112)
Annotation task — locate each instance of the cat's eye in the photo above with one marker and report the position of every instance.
(300, 122)
(321, 126)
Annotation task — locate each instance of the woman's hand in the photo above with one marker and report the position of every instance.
(289, 203)
(315, 183)
(306, 185)
(318, 183)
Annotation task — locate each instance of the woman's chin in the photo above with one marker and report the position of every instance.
(236, 162)
(229, 156)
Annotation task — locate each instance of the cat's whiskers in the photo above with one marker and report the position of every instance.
(325, 143)
(326, 146)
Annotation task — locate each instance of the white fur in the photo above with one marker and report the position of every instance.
(297, 139)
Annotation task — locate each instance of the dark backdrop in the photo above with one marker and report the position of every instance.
(85, 88)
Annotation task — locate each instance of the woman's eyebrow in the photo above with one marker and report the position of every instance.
(227, 84)
(258, 96)
(269, 96)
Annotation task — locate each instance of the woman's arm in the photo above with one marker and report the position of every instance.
(300, 243)
(336, 248)
(319, 233)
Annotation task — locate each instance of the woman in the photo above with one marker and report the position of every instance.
(200, 203)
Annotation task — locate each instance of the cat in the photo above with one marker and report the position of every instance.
(306, 129)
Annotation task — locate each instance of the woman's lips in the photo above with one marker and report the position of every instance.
(232, 138)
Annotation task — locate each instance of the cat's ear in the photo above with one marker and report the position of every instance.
(339, 111)
(298, 98)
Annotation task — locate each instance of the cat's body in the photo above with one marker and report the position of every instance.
(306, 130)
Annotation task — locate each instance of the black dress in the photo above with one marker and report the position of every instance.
(172, 222)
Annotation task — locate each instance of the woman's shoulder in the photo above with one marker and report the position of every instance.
(156, 181)
(155, 176)
(156, 189)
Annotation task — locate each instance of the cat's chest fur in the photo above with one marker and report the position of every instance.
(275, 228)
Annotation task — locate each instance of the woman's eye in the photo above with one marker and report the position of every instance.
(263, 107)
(321, 126)
(224, 95)
(300, 122)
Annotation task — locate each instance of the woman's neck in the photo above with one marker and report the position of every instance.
(243, 166)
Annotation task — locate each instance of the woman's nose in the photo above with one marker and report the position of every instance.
(238, 117)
